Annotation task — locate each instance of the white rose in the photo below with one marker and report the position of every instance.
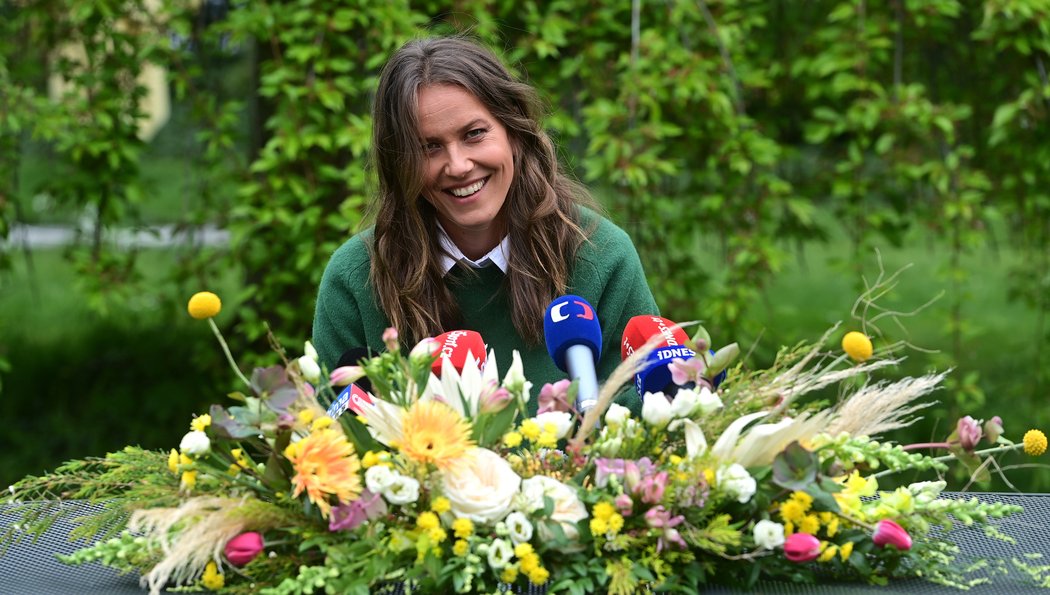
(709, 401)
(195, 443)
(768, 534)
(685, 403)
(656, 410)
(736, 481)
(562, 421)
(378, 478)
(481, 486)
(500, 554)
(519, 527)
(402, 490)
(308, 366)
(568, 510)
(617, 414)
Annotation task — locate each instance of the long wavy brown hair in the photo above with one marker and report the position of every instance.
(541, 209)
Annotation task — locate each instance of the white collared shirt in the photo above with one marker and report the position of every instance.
(452, 254)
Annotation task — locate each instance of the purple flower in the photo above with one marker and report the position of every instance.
(346, 517)
(969, 433)
(684, 371)
(554, 397)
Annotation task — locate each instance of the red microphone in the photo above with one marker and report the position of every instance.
(641, 328)
(655, 376)
(456, 346)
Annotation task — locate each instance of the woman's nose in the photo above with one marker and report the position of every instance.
(459, 163)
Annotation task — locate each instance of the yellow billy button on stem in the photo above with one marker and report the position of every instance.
(206, 305)
(857, 345)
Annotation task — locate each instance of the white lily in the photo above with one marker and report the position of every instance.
(760, 444)
(656, 409)
(515, 380)
(695, 441)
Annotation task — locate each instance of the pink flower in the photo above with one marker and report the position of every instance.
(659, 517)
(344, 375)
(890, 533)
(624, 504)
(554, 397)
(494, 401)
(242, 549)
(652, 487)
(684, 371)
(390, 338)
(969, 433)
(347, 517)
(801, 547)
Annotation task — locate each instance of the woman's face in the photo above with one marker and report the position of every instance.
(469, 165)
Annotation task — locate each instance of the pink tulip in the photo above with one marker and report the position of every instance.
(801, 547)
(242, 549)
(495, 400)
(890, 533)
(624, 504)
(344, 375)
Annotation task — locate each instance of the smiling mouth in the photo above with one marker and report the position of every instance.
(468, 190)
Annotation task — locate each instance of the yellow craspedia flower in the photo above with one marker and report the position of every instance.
(204, 304)
(441, 505)
(211, 579)
(599, 526)
(463, 527)
(857, 345)
(1034, 442)
(845, 550)
(523, 549)
(200, 422)
(509, 574)
(604, 510)
(428, 520)
(530, 429)
(539, 575)
(461, 547)
(437, 535)
(615, 523)
(173, 461)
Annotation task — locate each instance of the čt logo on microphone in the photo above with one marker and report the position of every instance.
(584, 311)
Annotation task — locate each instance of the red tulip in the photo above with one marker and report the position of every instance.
(890, 533)
(242, 549)
(801, 547)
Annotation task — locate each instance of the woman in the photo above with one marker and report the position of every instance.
(475, 226)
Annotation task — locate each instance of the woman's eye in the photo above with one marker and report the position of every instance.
(476, 133)
(430, 147)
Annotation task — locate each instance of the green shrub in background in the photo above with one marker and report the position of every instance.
(724, 135)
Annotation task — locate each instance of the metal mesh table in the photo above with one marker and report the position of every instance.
(31, 568)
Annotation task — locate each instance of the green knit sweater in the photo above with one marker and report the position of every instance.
(607, 273)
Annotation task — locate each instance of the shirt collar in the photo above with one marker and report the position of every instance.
(451, 253)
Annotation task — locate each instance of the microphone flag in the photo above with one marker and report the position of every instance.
(456, 347)
(574, 341)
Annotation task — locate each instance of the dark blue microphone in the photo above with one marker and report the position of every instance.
(574, 342)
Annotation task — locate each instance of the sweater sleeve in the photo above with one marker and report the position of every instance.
(610, 275)
(338, 320)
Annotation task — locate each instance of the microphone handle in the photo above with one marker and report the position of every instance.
(579, 362)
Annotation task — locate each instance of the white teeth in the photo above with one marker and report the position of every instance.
(468, 190)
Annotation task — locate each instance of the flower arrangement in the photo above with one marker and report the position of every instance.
(444, 483)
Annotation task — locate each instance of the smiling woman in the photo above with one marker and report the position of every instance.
(475, 224)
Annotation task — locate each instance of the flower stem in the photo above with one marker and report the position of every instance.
(226, 350)
(948, 457)
(926, 445)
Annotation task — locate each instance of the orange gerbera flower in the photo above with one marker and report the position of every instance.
(325, 465)
(435, 433)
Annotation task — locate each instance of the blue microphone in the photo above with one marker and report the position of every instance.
(574, 342)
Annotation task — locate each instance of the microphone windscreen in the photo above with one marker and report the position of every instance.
(457, 346)
(641, 328)
(569, 321)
